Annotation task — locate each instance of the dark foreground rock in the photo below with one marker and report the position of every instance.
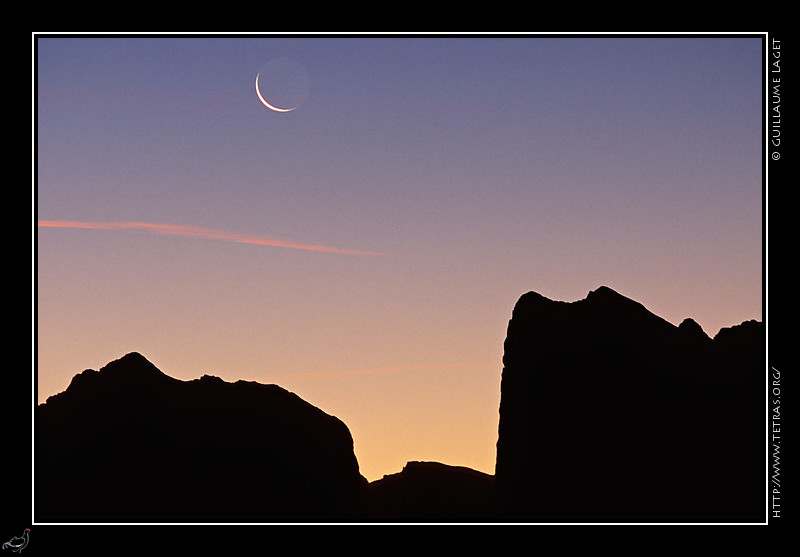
(425, 492)
(609, 413)
(130, 444)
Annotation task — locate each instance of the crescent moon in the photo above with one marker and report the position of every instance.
(265, 103)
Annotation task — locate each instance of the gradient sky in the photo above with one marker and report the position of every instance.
(366, 249)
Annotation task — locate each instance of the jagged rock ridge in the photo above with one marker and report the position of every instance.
(610, 413)
(130, 444)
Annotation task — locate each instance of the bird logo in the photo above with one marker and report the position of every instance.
(18, 543)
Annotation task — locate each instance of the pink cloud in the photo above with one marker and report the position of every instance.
(201, 232)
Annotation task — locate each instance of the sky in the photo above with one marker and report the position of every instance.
(365, 249)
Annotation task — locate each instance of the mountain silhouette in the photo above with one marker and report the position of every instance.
(432, 492)
(130, 444)
(609, 413)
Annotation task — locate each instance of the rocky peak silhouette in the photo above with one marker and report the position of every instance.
(606, 414)
(691, 327)
(130, 444)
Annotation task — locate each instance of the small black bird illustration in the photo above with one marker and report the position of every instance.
(18, 543)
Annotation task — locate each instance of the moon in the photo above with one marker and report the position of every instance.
(265, 103)
(284, 82)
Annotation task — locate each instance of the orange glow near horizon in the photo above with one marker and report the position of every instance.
(201, 232)
(311, 375)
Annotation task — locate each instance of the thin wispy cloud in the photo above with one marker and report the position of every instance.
(203, 232)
